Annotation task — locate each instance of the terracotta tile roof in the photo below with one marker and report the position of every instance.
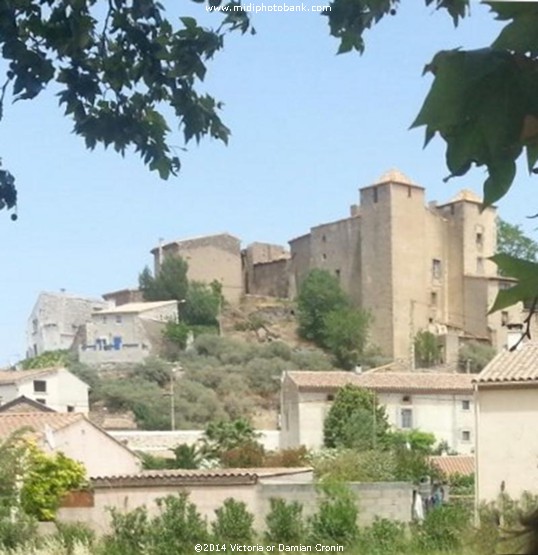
(15, 376)
(385, 381)
(11, 422)
(181, 477)
(520, 365)
(25, 404)
(454, 464)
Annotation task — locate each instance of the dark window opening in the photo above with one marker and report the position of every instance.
(436, 268)
(40, 386)
(70, 408)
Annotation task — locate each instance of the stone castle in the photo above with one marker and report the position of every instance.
(414, 266)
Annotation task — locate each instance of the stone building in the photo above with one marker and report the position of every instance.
(413, 266)
(126, 333)
(210, 258)
(265, 270)
(55, 319)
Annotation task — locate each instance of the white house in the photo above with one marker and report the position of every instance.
(126, 333)
(56, 388)
(55, 319)
(77, 437)
(440, 403)
(507, 411)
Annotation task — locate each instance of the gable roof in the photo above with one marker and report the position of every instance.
(510, 367)
(134, 308)
(454, 464)
(38, 421)
(41, 422)
(23, 400)
(384, 381)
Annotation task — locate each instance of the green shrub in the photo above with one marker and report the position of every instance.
(130, 532)
(285, 523)
(19, 532)
(383, 537)
(335, 522)
(233, 523)
(71, 534)
(178, 527)
(347, 465)
(443, 529)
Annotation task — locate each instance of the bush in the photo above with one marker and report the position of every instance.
(383, 537)
(353, 466)
(130, 532)
(288, 458)
(233, 523)
(19, 532)
(335, 522)
(285, 523)
(72, 534)
(178, 527)
(248, 455)
(443, 529)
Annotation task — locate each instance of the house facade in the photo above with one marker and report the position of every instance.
(77, 437)
(55, 388)
(507, 408)
(55, 320)
(127, 333)
(439, 403)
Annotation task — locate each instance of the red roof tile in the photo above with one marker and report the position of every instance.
(455, 464)
(384, 381)
(520, 365)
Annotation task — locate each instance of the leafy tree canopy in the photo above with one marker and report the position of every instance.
(319, 295)
(512, 240)
(117, 68)
(346, 335)
(427, 349)
(355, 420)
(170, 283)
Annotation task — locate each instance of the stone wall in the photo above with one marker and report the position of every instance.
(382, 500)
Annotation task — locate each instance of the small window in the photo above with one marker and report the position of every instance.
(466, 435)
(42, 401)
(330, 397)
(324, 238)
(452, 209)
(375, 195)
(433, 298)
(479, 265)
(436, 268)
(70, 408)
(406, 399)
(118, 319)
(407, 418)
(479, 240)
(466, 404)
(324, 256)
(337, 274)
(504, 318)
(40, 386)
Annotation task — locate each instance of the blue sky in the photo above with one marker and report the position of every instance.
(309, 128)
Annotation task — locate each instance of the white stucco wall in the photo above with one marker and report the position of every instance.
(100, 454)
(63, 390)
(440, 414)
(507, 441)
